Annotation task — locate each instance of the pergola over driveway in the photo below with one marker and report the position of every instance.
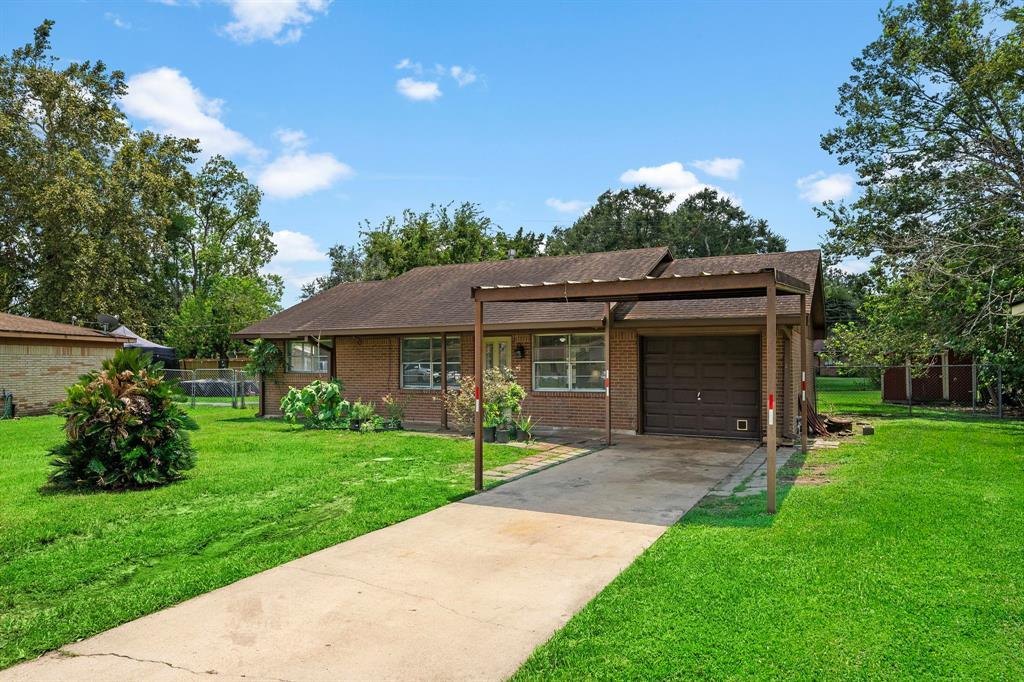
(768, 282)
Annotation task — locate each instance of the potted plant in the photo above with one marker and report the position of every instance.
(359, 413)
(506, 430)
(524, 428)
(395, 408)
(492, 420)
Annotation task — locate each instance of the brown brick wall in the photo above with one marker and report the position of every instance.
(369, 367)
(37, 371)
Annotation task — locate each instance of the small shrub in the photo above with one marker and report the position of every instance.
(395, 409)
(123, 427)
(264, 358)
(319, 405)
(362, 411)
(501, 394)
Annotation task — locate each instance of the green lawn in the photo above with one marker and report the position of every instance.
(72, 565)
(908, 564)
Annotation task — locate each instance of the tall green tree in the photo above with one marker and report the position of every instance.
(83, 197)
(442, 235)
(703, 224)
(933, 122)
(204, 323)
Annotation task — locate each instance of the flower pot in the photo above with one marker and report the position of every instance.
(503, 435)
(489, 433)
(523, 435)
(354, 424)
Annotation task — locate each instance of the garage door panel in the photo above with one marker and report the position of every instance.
(724, 370)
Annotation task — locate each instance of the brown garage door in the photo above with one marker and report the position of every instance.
(702, 385)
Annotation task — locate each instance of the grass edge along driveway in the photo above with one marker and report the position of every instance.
(901, 557)
(262, 493)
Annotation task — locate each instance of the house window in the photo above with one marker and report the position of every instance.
(421, 361)
(304, 356)
(568, 362)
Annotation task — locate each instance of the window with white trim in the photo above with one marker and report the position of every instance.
(421, 362)
(305, 356)
(568, 362)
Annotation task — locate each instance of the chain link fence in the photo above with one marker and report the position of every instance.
(217, 387)
(936, 389)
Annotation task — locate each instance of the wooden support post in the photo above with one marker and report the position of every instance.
(770, 381)
(805, 342)
(608, 372)
(444, 380)
(478, 421)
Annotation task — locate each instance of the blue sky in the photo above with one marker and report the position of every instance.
(344, 112)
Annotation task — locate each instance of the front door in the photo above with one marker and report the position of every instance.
(498, 352)
(702, 385)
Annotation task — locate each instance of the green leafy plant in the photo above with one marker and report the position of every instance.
(492, 415)
(264, 358)
(362, 411)
(395, 409)
(500, 390)
(525, 425)
(123, 427)
(319, 405)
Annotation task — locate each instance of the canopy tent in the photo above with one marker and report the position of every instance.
(165, 354)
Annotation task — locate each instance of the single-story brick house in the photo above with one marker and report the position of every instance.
(690, 367)
(38, 358)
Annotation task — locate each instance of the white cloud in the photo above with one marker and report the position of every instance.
(419, 91)
(570, 206)
(168, 102)
(463, 76)
(291, 139)
(409, 65)
(818, 187)
(279, 21)
(117, 21)
(294, 247)
(297, 173)
(721, 168)
(670, 177)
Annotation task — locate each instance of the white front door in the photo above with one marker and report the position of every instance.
(498, 352)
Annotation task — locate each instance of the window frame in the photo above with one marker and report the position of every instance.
(435, 367)
(570, 362)
(321, 350)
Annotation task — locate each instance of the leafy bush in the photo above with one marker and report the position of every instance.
(362, 411)
(319, 405)
(502, 397)
(264, 358)
(123, 427)
(395, 408)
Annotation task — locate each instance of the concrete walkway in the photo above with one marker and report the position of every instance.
(466, 591)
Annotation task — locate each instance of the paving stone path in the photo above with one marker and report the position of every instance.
(548, 452)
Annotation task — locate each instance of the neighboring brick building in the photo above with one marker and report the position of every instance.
(683, 366)
(38, 358)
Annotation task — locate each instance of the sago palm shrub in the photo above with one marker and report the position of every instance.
(123, 428)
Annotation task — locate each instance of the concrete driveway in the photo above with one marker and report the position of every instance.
(466, 591)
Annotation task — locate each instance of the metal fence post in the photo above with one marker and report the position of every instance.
(909, 387)
(245, 386)
(234, 388)
(974, 386)
(193, 384)
(999, 392)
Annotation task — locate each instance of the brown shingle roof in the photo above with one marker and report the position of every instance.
(439, 297)
(800, 264)
(18, 326)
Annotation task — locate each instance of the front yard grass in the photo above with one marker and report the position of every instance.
(262, 493)
(904, 560)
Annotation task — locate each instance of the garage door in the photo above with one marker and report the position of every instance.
(702, 385)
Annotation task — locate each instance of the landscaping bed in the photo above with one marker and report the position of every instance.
(263, 492)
